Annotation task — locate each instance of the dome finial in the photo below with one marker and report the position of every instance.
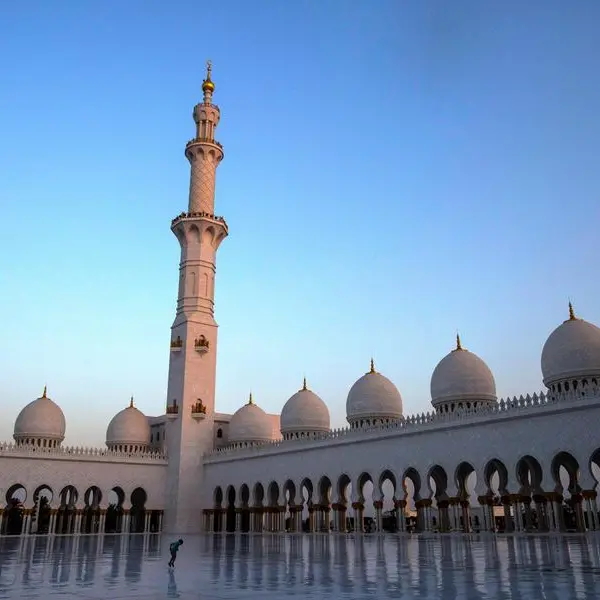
(44, 393)
(572, 316)
(304, 388)
(131, 402)
(250, 401)
(372, 366)
(208, 87)
(458, 344)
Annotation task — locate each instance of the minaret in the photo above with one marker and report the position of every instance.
(193, 351)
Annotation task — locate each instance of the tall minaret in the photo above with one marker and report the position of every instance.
(193, 352)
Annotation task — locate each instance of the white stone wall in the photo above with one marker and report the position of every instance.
(539, 431)
(33, 470)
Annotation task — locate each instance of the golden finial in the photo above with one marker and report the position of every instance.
(458, 344)
(44, 394)
(304, 388)
(131, 402)
(372, 366)
(207, 84)
(572, 316)
(250, 401)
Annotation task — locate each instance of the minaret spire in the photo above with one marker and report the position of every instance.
(203, 152)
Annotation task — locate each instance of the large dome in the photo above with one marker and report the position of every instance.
(462, 376)
(373, 396)
(250, 423)
(128, 427)
(41, 420)
(571, 352)
(304, 412)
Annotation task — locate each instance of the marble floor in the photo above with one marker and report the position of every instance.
(449, 567)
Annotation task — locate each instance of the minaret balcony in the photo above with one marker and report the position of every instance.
(198, 411)
(177, 344)
(198, 215)
(172, 411)
(201, 345)
(201, 140)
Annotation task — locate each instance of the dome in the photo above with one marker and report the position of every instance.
(462, 376)
(304, 412)
(250, 424)
(373, 396)
(572, 351)
(128, 427)
(41, 419)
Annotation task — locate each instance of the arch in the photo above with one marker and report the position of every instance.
(40, 515)
(12, 523)
(245, 494)
(342, 487)
(571, 466)
(308, 486)
(461, 475)
(362, 480)
(258, 494)
(325, 491)
(218, 496)
(137, 512)
(289, 488)
(529, 474)
(219, 433)
(230, 509)
(65, 521)
(438, 475)
(193, 234)
(273, 493)
(387, 475)
(90, 521)
(114, 512)
(496, 467)
(413, 476)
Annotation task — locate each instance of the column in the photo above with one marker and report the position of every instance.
(160, 520)
(102, 524)
(238, 519)
(378, 506)
(591, 508)
(509, 524)
(1, 520)
(577, 500)
(400, 508)
(466, 515)
(125, 521)
(359, 522)
(147, 517)
(25, 522)
(311, 519)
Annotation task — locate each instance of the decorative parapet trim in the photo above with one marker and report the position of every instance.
(80, 453)
(506, 408)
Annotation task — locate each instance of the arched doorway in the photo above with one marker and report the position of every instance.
(114, 512)
(137, 513)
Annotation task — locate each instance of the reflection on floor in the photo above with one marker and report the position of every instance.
(315, 566)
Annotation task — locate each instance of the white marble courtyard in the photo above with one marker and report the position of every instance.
(304, 567)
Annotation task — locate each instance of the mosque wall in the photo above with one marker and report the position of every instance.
(31, 471)
(534, 435)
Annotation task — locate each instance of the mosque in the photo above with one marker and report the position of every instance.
(473, 462)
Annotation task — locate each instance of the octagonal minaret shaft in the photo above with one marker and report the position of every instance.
(203, 152)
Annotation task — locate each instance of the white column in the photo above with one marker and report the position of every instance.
(148, 516)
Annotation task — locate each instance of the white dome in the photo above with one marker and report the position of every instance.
(373, 396)
(40, 419)
(250, 423)
(462, 376)
(128, 427)
(572, 351)
(304, 412)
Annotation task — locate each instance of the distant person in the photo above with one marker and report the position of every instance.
(174, 548)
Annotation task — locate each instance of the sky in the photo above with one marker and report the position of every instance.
(394, 172)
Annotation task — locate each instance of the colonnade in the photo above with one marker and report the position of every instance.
(70, 521)
(519, 514)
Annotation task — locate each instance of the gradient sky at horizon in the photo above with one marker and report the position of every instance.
(394, 172)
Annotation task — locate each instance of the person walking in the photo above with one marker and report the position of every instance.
(174, 548)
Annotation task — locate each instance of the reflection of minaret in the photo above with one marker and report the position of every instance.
(192, 364)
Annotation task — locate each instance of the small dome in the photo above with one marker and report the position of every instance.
(250, 423)
(373, 396)
(462, 376)
(128, 427)
(304, 412)
(41, 419)
(572, 351)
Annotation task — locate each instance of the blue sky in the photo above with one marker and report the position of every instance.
(394, 171)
